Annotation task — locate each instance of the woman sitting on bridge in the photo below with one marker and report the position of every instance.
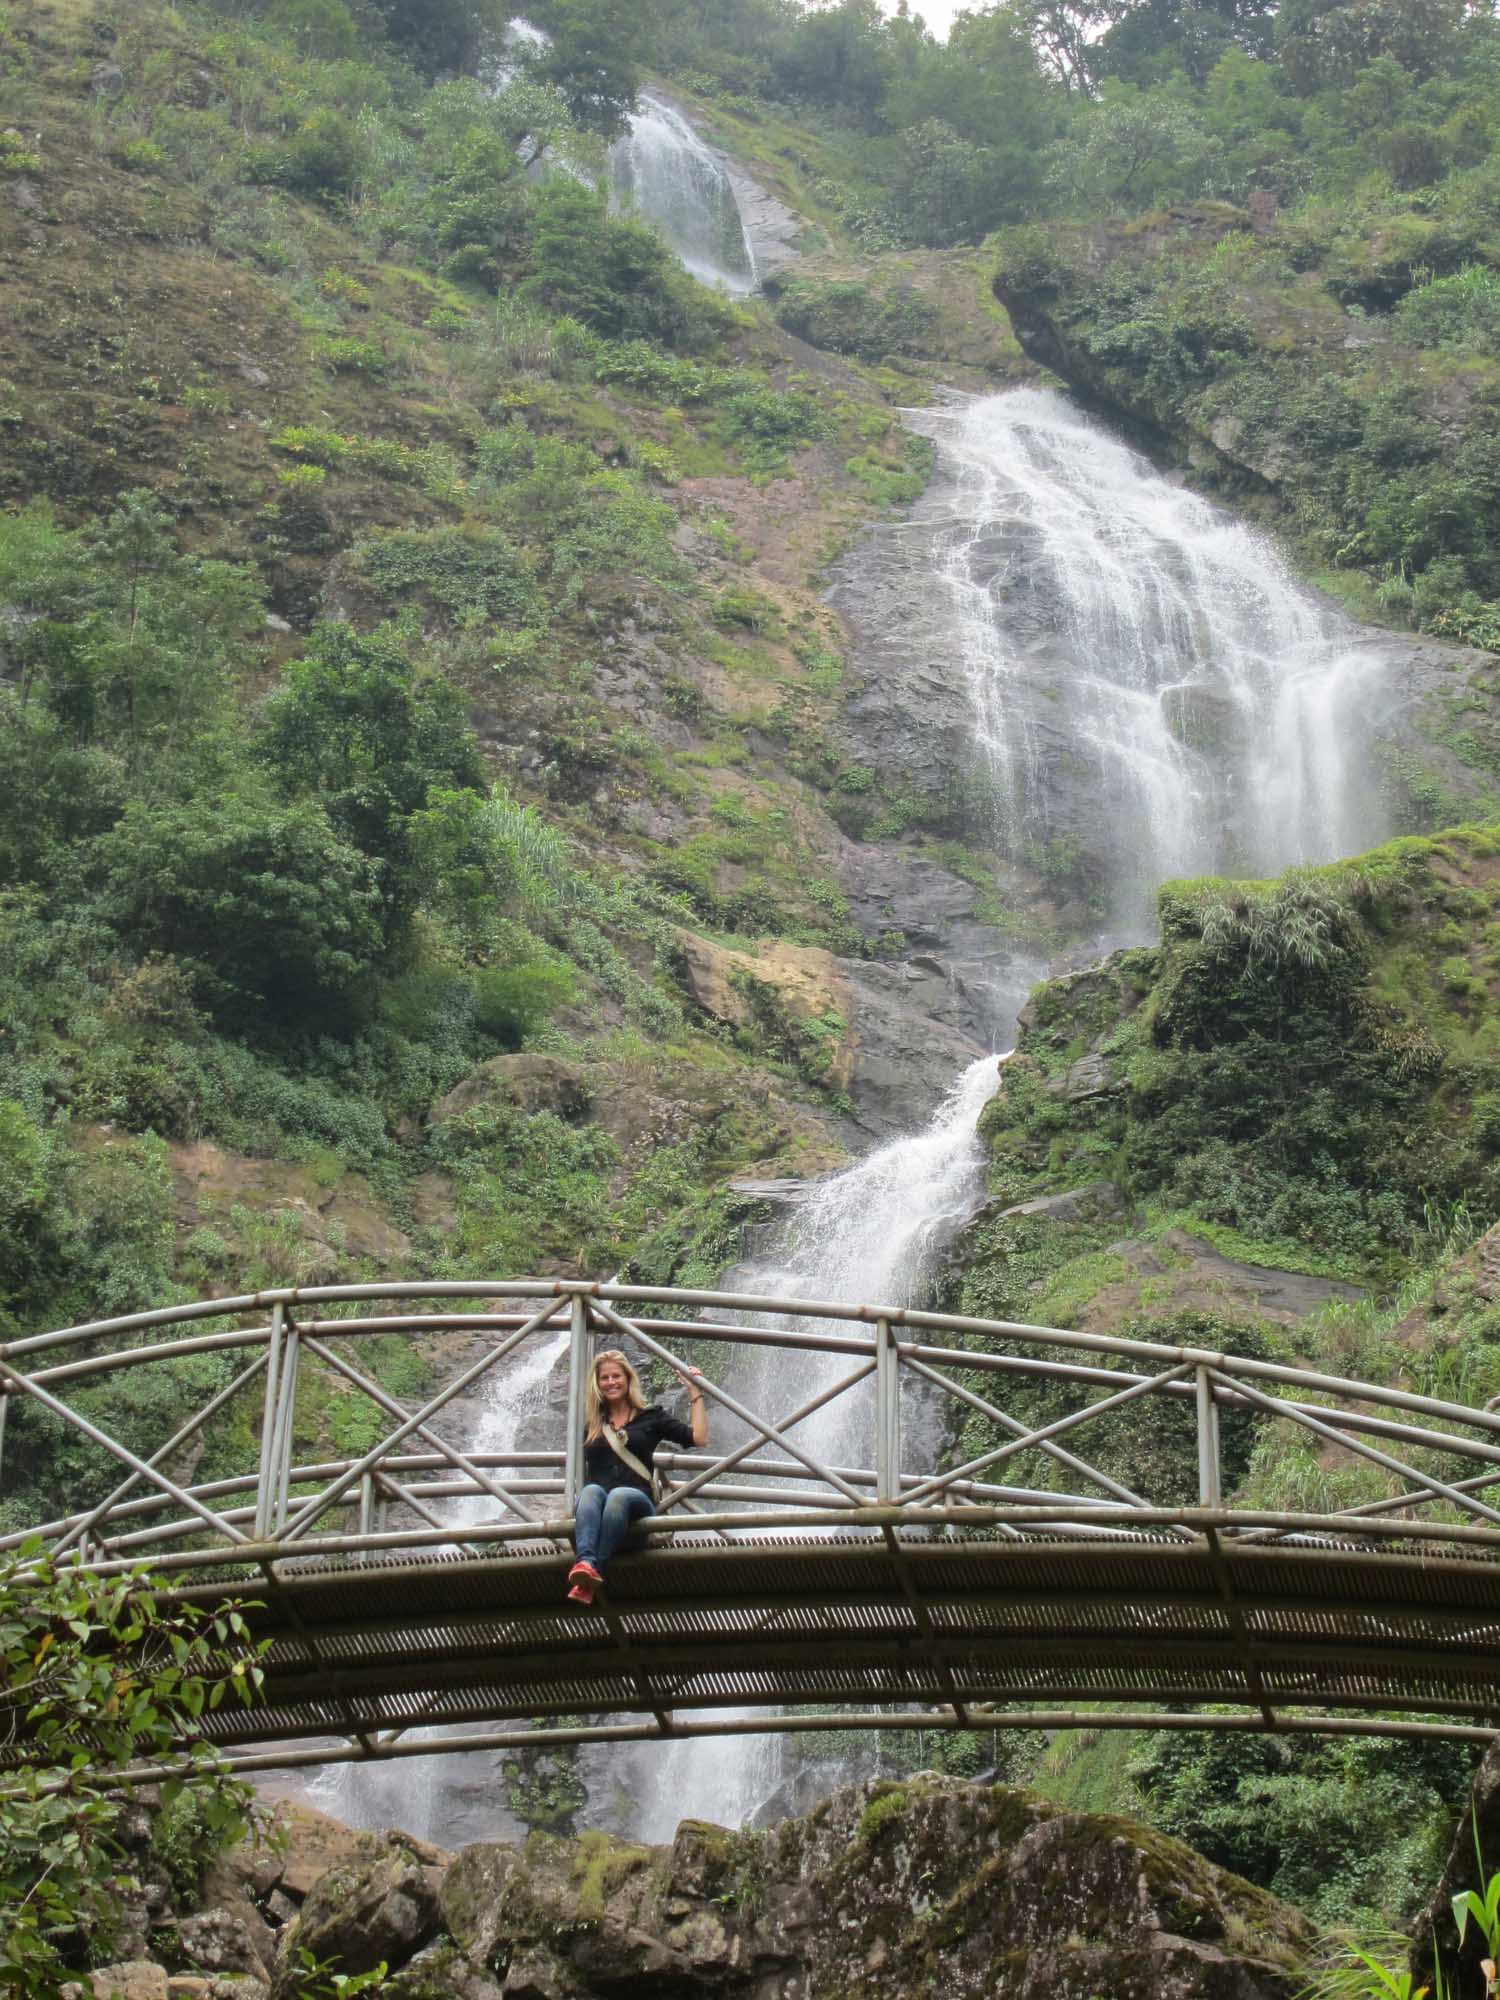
(621, 1434)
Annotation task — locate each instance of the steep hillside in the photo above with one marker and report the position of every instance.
(430, 842)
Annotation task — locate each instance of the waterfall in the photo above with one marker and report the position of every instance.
(665, 173)
(1151, 688)
(871, 1233)
(1142, 668)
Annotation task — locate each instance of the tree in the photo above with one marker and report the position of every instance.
(1066, 32)
(323, 28)
(615, 275)
(837, 57)
(100, 1672)
(1134, 148)
(593, 59)
(1346, 1828)
(1322, 44)
(443, 37)
(354, 724)
(270, 908)
(950, 190)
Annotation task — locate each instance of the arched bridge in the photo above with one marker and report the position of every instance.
(905, 1520)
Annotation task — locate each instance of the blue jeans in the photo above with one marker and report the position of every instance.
(602, 1521)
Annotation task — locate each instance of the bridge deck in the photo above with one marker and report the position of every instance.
(854, 1619)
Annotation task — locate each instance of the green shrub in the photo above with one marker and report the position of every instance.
(16, 157)
(615, 276)
(344, 355)
(513, 1001)
(325, 157)
(71, 1647)
(1459, 311)
(850, 318)
(769, 424)
(462, 569)
(142, 156)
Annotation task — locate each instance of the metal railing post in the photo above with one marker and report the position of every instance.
(887, 1416)
(266, 1485)
(1209, 1480)
(578, 1368)
(285, 1431)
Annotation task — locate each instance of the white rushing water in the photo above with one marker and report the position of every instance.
(664, 172)
(1142, 665)
(1128, 644)
(870, 1234)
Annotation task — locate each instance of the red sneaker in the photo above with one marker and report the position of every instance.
(585, 1580)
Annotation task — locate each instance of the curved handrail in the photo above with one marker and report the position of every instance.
(151, 1510)
(502, 1518)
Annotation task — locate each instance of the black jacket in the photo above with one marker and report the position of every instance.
(645, 1431)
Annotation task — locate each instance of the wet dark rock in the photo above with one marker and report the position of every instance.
(529, 1082)
(1088, 1077)
(443, 1972)
(1191, 1264)
(910, 1043)
(1099, 1201)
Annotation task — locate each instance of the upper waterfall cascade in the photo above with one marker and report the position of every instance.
(662, 170)
(1150, 685)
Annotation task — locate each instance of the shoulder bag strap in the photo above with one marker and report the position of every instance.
(626, 1456)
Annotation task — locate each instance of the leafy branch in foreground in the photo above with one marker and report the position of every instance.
(98, 1672)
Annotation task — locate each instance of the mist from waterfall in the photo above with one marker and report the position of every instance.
(664, 172)
(1129, 646)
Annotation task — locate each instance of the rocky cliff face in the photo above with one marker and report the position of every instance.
(933, 1888)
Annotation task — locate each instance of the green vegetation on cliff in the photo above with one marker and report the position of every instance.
(1279, 1132)
(387, 686)
(1308, 1065)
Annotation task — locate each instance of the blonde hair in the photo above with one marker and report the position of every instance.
(593, 1401)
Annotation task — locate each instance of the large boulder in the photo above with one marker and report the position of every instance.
(379, 1907)
(886, 1892)
(223, 1941)
(892, 1037)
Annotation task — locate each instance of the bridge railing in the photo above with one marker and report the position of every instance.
(823, 1411)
